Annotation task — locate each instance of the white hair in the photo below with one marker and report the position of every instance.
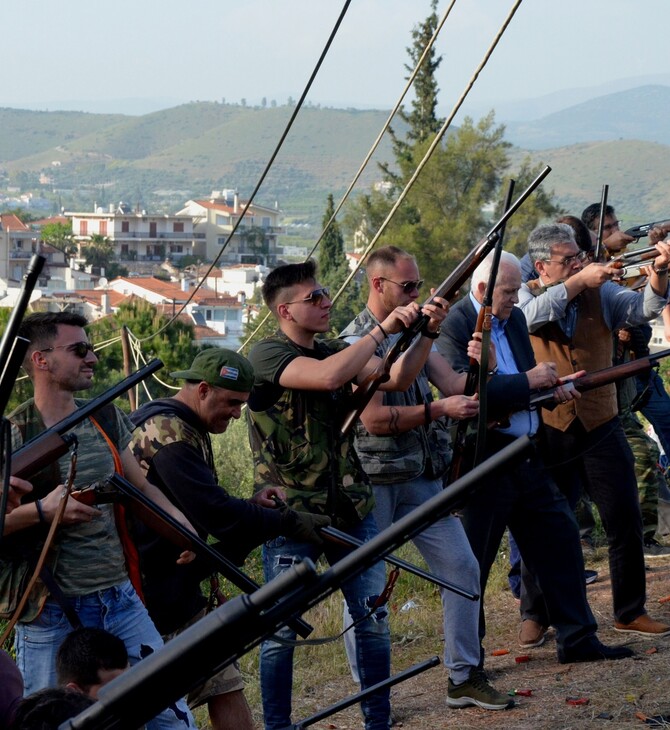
(483, 271)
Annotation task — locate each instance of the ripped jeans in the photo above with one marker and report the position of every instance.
(373, 649)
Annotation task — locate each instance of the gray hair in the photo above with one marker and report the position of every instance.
(544, 238)
(483, 271)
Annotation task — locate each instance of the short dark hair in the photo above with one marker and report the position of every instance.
(48, 708)
(591, 215)
(42, 327)
(84, 652)
(582, 235)
(284, 277)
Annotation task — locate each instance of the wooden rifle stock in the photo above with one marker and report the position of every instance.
(166, 526)
(53, 443)
(598, 378)
(448, 289)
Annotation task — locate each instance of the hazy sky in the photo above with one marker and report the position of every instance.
(92, 51)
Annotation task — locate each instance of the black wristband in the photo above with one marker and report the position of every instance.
(40, 514)
(426, 409)
(430, 335)
(382, 330)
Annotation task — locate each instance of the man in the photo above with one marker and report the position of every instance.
(571, 312)
(172, 444)
(90, 581)
(523, 498)
(295, 411)
(88, 659)
(397, 443)
(614, 239)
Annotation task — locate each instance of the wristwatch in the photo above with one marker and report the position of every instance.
(431, 335)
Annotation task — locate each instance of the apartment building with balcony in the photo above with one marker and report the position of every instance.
(138, 236)
(255, 240)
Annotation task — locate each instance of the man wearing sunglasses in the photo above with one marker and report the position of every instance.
(571, 311)
(87, 581)
(300, 396)
(403, 443)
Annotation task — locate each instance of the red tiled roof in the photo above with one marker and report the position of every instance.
(11, 222)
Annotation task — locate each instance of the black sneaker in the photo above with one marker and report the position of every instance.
(476, 691)
(654, 549)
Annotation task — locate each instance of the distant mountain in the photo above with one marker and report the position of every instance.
(639, 113)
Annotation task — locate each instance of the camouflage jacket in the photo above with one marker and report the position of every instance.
(295, 437)
(400, 457)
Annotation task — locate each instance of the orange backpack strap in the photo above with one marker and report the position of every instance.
(130, 553)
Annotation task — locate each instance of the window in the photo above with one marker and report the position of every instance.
(178, 228)
(152, 230)
(103, 228)
(125, 226)
(83, 228)
(266, 222)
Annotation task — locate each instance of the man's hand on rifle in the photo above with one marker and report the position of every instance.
(565, 391)
(658, 233)
(437, 309)
(457, 407)
(75, 511)
(270, 497)
(475, 350)
(17, 488)
(301, 526)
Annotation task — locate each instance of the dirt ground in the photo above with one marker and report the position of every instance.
(631, 692)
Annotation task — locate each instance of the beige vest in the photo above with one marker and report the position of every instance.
(590, 349)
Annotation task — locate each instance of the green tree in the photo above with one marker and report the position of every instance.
(334, 269)
(59, 235)
(174, 346)
(99, 254)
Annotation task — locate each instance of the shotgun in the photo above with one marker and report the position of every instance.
(447, 290)
(598, 378)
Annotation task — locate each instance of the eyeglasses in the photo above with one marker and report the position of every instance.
(569, 260)
(407, 286)
(314, 297)
(80, 349)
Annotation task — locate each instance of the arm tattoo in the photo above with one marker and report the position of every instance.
(393, 421)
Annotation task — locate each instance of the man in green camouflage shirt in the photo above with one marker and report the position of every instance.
(295, 412)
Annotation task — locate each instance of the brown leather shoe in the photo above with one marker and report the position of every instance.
(531, 634)
(644, 626)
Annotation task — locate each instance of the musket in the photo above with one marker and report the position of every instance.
(472, 377)
(343, 538)
(643, 230)
(601, 224)
(166, 526)
(598, 378)
(241, 623)
(447, 290)
(359, 696)
(51, 444)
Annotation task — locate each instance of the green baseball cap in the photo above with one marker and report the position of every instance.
(221, 368)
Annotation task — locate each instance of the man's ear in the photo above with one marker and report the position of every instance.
(38, 360)
(376, 283)
(540, 267)
(283, 312)
(481, 290)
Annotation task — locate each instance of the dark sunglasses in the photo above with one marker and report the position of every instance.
(314, 297)
(80, 349)
(407, 286)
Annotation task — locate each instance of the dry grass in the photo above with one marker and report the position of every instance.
(619, 694)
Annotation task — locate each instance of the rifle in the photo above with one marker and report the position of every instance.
(598, 378)
(51, 444)
(447, 290)
(235, 628)
(601, 224)
(166, 526)
(638, 232)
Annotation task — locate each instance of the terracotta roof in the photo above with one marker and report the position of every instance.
(94, 296)
(168, 289)
(225, 208)
(11, 222)
(53, 219)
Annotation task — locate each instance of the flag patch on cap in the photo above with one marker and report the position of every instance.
(230, 373)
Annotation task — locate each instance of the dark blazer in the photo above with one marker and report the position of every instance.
(505, 393)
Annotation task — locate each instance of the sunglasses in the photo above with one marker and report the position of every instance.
(314, 297)
(80, 349)
(407, 286)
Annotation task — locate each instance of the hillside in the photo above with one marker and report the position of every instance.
(639, 113)
(200, 146)
(159, 160)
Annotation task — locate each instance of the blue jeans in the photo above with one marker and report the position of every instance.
(373, 646)
(117, 610)
(657, 408)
